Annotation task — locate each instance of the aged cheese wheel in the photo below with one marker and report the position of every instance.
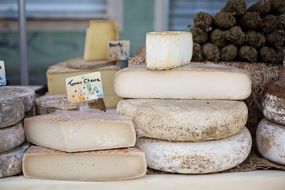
(25, 94)
(185, 120)
(11, 161)
(197, 157)
(274, 102)
(270, 139)
(50, 103)
(11, 137)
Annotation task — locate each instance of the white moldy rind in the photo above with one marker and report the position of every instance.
(165, 50)
(185, 120)
(274, 108)
(270, 139)
(193, 81)
(197, 158)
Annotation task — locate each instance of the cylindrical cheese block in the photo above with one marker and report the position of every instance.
(274, 102)
(197, 157)
(270, 139)
(165, 50)
(185, 120)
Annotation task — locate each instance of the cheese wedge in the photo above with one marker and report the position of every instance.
(197, 158)
(194, 81)
(73, 131)
(118, 164)
(99, 33)
(165, 50)
(270, 140)
(185, 120)
(57, 74)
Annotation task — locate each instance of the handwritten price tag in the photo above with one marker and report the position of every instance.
(2, 74)
(119, 50)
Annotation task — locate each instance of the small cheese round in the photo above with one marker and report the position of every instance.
(165, 50)
(197, 158)
(273, 103)
(11, 110)
(270, 140)
(185, 120)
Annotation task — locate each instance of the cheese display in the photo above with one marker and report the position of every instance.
(194, 81)
(11, 161)
(11, 137)
(274, 102)
(270, 140)
(57, 74)
(165, 50)
(50, 103)
(73, 131)
(120, 164)
(185, 120)
(99, 33)
(197, 158)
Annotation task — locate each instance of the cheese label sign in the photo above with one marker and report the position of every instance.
(118, 50)
(84, 88)
(2, 74)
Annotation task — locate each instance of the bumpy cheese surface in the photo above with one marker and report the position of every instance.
(165, 50)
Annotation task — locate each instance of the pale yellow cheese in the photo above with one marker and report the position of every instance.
(99, 33)
(74, 131)
(118, 164)
(56, 75)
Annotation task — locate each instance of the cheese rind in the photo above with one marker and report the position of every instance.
(194, 81)
(185, 120)
(118, 164)
(12, 110)
(11, 161)
(197, 158)
(74, 131)
(99, 33)
(165, 50)
(11, 137)
(270, 140)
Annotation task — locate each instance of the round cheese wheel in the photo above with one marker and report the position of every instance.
(11, 110)
(197, 157)
(185, 120)
(11, 137)
(270, 139)
(273, 102)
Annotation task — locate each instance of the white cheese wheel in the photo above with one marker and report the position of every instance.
(165, 50)
(273, 102)
(270, 139)
(185, 120)
(199, 157)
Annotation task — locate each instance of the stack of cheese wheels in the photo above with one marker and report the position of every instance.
(188, 117)
(86, 145)
(270, 134)
(15, 103)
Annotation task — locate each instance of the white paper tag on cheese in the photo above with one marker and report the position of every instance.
(118, 50)
(83, 88)
(2, 74)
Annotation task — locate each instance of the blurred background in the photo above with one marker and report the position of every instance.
(56, 28)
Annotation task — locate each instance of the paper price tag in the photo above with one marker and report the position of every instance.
(118, 50)
(2, 74)
(84, 88)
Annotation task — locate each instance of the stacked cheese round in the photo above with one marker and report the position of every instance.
(15, 104)
(270, 134)
(189, 117)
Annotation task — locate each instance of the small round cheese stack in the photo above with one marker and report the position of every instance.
(270, 139)
(166, 50)
(197, 158)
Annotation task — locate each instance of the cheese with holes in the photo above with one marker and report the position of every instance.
(117, 164)
(57, 74)
(165, 50)
(194, 157)
(273, 102)
(270, 140)
(73, 131)
(99, 33)
(194, 81)
(185, 120)
(11, 137)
